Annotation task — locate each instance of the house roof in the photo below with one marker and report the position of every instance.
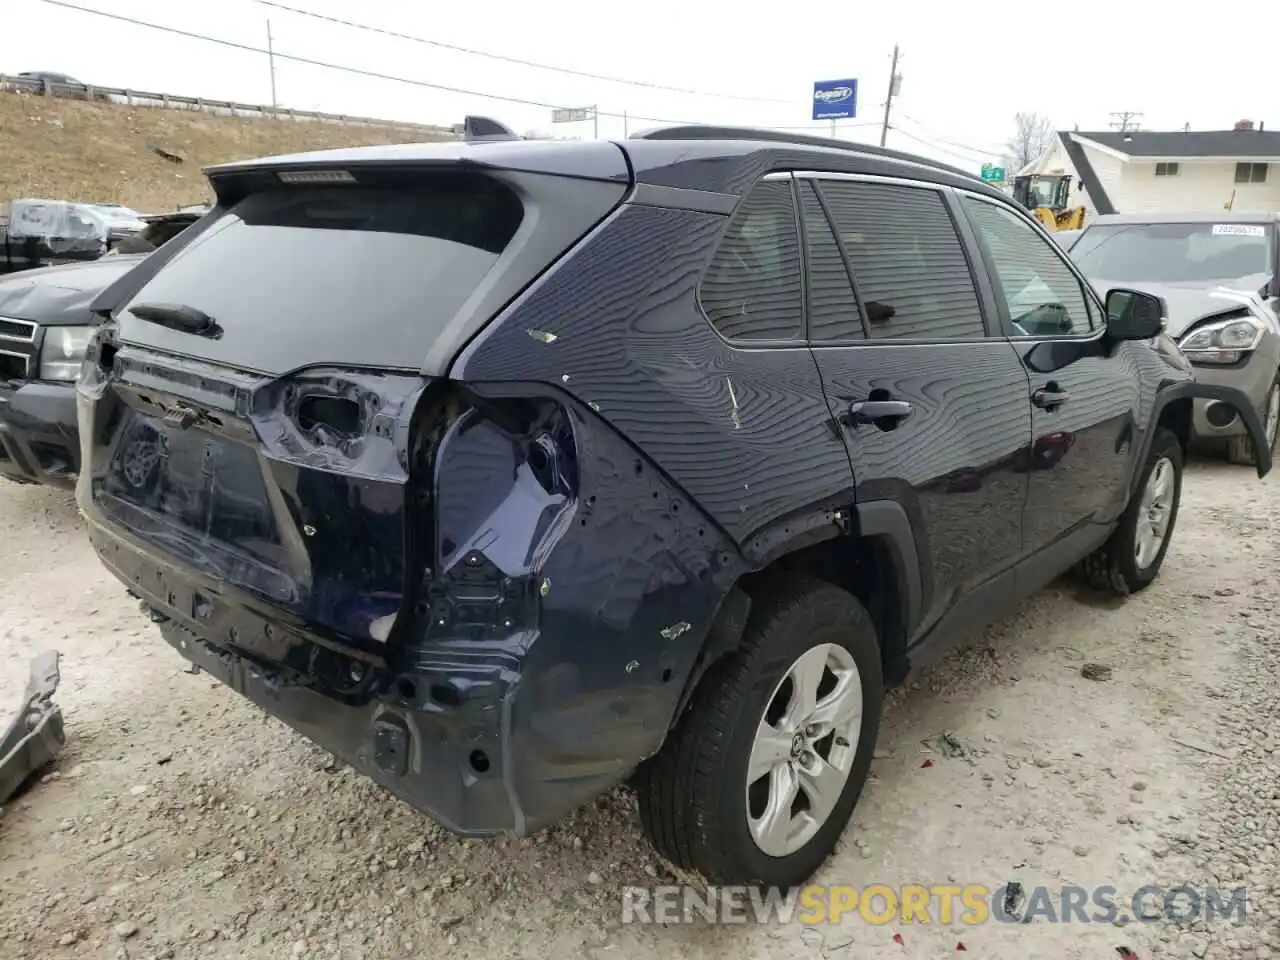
(1228, 144)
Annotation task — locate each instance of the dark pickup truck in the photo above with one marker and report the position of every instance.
(45, 324)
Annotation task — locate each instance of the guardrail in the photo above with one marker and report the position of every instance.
(226, 108)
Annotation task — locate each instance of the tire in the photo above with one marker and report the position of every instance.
(1118, 566)
(1240, 449)
(693, 795)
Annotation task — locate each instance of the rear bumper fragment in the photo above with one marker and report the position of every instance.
(35, 735)
(427, 759)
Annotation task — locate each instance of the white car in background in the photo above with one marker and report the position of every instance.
(1066, 238)
(1219, 274)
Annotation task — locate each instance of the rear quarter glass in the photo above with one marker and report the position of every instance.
(365, 276)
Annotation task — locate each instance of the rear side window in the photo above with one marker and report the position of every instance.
(372, 274)
(752, 288)
(833, 309)
(908, 263)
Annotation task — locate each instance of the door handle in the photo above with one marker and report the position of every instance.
(879, 411)
(1050, 397)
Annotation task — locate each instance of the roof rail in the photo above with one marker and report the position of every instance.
(694, 131)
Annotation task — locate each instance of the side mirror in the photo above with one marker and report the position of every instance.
(1133, 315)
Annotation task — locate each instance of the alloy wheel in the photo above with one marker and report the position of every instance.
(1154, 512)
(803, 749)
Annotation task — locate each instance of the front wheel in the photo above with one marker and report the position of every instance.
(759, 778)
(1131, 559)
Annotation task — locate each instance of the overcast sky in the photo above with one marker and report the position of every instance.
(965, 71)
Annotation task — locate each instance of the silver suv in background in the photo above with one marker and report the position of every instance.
(1219, 273)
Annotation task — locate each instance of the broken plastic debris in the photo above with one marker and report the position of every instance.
(897, 938)
(1012, 897)
(927, 763)
(543, 336)
(947, 745)
(34, 735)
(960, 946)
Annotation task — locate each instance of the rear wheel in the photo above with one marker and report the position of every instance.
(1240, 449)
(759, 778)
(1131, 559)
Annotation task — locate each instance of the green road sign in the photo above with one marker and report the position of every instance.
(992, 174)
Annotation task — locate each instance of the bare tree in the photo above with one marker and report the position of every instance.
(1032, 137)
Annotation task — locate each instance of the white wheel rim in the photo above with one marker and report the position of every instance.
(803, 749)
(1154, 512)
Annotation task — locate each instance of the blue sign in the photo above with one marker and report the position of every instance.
(835, 99)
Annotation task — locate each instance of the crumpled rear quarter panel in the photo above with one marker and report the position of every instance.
(578, 580)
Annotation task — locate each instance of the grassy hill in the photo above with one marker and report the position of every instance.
(107, 152)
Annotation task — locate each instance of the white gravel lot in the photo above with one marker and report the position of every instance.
(181, 822)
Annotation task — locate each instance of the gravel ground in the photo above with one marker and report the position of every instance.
(181, 822)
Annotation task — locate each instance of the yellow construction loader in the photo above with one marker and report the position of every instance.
(1046, 196)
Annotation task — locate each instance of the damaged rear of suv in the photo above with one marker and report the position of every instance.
(455, 586)
(508, 470)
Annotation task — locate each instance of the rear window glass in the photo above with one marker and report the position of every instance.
(365, 276)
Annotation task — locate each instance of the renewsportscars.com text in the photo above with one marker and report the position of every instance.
(970, 904)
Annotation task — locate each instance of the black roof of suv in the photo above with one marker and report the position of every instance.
(508, 471)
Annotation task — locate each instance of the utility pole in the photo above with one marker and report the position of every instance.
(626, 127)
(1125, 120)
(888, 100)
(271, 61)
(595, 122)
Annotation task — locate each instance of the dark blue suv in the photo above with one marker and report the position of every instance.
(512, 471)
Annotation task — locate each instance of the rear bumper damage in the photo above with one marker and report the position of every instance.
(566, 589)
(506, 739)
(35, 735)
(436, 762)
(438, 739)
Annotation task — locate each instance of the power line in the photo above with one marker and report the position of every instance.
(375, 75)
(821, 126)
(372, 74)
(517, 60)
(984, 152)
(934, 146)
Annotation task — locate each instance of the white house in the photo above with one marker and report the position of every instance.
(1145, 171)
